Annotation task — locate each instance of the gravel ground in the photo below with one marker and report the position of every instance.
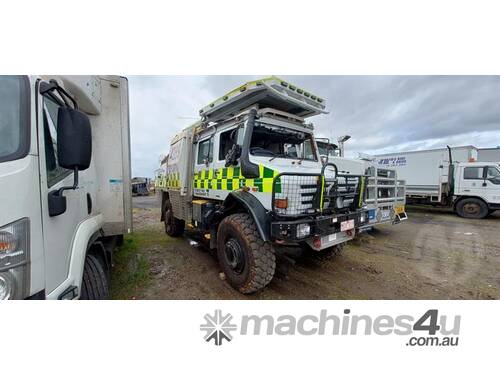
(433, 255)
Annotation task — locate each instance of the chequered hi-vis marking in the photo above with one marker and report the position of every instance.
(171, 181)
(231, 178)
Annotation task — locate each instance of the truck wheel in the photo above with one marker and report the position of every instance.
(247, 261)
(173, 226)
(472, 208)
(95, 281)
(325, 254)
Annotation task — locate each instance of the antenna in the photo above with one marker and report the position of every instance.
(187, 118)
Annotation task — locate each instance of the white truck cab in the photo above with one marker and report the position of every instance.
(477, 188)
(249, 176)
(64, 184)
(384, 192)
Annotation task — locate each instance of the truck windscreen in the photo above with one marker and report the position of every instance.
(493, 174)
(280, 142)
(14, 115)
(327, 149)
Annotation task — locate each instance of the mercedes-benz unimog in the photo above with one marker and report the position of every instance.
(64, 184)
(248, 175)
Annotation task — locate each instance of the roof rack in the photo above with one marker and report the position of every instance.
(270, 92)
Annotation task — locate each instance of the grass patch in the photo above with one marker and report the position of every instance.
(131, 268)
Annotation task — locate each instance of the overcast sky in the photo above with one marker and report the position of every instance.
(381, 113)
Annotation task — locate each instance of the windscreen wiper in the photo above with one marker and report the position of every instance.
(274, 157)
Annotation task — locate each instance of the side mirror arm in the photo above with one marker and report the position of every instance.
(56, 199)
(75, 183)
(47, 88)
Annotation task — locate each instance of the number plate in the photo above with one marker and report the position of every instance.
(386, 215)
(347, 225)
(327, 239)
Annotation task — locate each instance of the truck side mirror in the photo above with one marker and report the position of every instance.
(74, 139)
(74, 151)
(233, 155)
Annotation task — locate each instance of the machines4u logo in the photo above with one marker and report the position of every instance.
(218, 327)
(428, 329)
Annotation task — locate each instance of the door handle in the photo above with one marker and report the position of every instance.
(89, 204)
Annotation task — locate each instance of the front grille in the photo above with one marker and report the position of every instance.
(343, 194)
(301, 192)
(306, 194)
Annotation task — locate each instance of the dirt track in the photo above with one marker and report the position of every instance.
(433, 255)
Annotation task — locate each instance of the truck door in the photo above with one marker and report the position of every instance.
(58, 231)
(472, 181)
(226, 179)
(492, 184)
(203, 168)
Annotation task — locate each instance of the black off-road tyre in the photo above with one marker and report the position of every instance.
(173, 227)
(322, 255)
(472, 208)
(246, 260)
(95, 281)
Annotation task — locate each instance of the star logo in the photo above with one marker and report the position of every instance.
(218, 327)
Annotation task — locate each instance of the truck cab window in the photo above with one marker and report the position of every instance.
(205, 151)
(473, 173)
(55, 173)
(493, 174)
(14, 128)
(279, 142)
(308, 149)
(228, 139)
(327, 149)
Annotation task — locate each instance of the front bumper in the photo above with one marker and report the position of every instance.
(384, 214)
(321, 225)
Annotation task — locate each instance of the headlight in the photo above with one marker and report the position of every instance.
(6, 287)
(14, 256)
(362, 217)
(303, 230)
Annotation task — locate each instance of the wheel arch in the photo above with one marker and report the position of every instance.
(242, 201)
(86, 233)
(97, 248)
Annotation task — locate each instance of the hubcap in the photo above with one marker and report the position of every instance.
(234, 256)
(472, 209)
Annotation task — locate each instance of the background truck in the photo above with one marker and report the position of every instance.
(448, 177)
(384, 192)
(64, 184)
(160, 180)
(248, 176)
(140, 186)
